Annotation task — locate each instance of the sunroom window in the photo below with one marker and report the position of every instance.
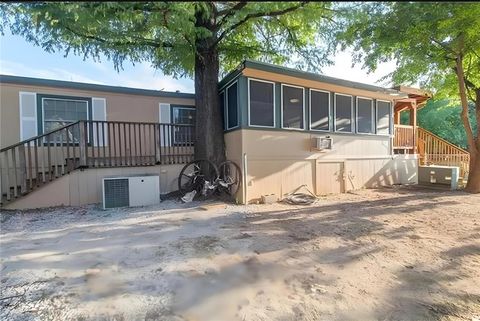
(365, 116)
(343, 113)
(383, 117)
(261, 103)
(232, 112)
(292, 107)
(319, 110)
(222, 109)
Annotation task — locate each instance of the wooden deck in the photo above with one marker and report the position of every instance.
(32, 163)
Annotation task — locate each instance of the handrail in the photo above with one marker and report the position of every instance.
(33, 162)
(23, 142)
(424, 132)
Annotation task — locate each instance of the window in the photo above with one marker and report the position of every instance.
(183, 135)
(343, 113)
(292, 107)
(232, 110)
(383, 117)
(365, 116)
(59, 112)
(261, 103)
(222, 109)
(319, 110)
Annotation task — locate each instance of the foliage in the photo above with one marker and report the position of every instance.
(424, 39)
(442, 117)
(166, 34)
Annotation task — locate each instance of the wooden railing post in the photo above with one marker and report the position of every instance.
(83, 144)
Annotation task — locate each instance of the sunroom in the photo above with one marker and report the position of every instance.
(275, 116)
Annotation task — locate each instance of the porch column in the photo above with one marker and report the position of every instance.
(396, 118)
(413, 122)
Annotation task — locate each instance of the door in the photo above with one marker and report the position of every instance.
(329, 178)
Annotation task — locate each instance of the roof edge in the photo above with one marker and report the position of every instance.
(20, 80)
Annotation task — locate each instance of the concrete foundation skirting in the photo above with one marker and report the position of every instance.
(85, 187)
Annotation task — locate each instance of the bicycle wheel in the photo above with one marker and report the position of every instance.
(230, 177)
(194, 175)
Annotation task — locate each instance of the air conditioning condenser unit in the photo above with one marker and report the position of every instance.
(130, 191)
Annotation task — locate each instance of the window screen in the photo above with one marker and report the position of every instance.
(222, 108)
(261, 103)
(365, 116)
(232, 106)
(383, 117)
(61, 112)
(184, 116)
(319, 110)
(343, 113)
(292, 104)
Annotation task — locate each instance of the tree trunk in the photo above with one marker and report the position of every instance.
(209, 141)
(473, 184)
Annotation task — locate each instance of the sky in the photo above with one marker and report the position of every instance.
(21, 58)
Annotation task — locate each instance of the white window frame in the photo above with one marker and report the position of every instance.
(274, 101)
(65, 99)
(225, 104)
(329, 110)
(390, 118)
(303, 107)
(374, 120)
(335, 114)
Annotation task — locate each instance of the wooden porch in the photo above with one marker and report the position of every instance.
(37, 161)
(411, 139)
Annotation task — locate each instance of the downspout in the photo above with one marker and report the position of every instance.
(245, 171)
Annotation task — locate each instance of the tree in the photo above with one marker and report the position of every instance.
(181, 38)
(435, 44)
(443, 118)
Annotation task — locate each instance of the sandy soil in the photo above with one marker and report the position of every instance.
(387, 254)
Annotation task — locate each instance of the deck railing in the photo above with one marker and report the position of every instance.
(436, 150)
(90, 144)
(403, 137)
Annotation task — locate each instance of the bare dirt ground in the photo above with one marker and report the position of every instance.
(386, 254)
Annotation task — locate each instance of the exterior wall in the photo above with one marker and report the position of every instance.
(234, 148)
(119, 107)
(279, 161)
(85, 187)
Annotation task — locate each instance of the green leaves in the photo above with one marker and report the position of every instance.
(424, 39)
(165, 33)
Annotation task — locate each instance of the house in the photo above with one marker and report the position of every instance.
(121, 126)
(283, 127)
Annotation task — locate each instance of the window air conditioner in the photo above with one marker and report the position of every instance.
(130, 191)
(322, 143)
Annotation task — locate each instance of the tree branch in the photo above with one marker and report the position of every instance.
(142, 41)
(258, 15)
(230, 12)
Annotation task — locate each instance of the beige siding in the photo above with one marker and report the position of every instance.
(120, 107)
(280, 161)
(284, 144)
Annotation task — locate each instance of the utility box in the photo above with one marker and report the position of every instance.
(443, 175)
(130, 191)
